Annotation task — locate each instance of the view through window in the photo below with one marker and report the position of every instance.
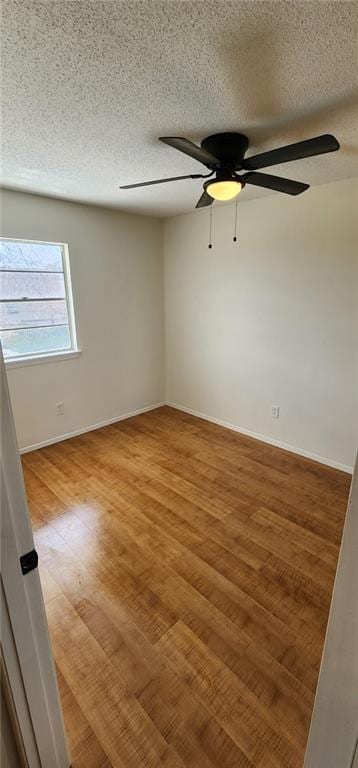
(35, 301)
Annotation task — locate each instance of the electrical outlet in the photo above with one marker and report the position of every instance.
(275, 411)
(60, 409)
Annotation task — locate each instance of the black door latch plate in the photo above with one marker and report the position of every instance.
(29, 561)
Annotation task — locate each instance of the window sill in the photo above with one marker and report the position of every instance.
(53, 357)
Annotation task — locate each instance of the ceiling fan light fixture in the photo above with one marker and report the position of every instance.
(224, 190)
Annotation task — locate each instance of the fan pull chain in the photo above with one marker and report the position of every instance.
(235, 228)
(210, 226)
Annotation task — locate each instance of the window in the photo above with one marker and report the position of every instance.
(36, 311)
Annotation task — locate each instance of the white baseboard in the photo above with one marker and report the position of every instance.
(264, 439)
(83, 430)
(200, 415)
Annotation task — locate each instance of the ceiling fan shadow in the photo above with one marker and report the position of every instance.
(308, 120)
(254, 64)
(248, 59)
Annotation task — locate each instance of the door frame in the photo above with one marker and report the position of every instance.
(26, 645)
(333, 736)
(14, 692)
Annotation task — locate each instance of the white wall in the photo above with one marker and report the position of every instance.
(117, 276)
(269, 320)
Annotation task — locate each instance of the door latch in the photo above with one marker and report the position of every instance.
(29, 561)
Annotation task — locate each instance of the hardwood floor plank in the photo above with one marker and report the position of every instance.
(116, 717)
(280, 543)
(276, 636)
(187, 573)
(322, 516)
(85, 749)
(229, 701)
(304, 537)
(194, 734)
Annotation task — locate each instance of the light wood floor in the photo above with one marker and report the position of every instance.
(187, 572)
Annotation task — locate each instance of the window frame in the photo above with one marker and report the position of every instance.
(59, 354)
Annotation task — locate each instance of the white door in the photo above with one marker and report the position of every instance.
(26, 650)
(333, 734)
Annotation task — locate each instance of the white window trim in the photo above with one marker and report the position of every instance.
(58, 355)
(49, 357)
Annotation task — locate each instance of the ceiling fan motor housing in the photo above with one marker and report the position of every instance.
(224, 176)
(229, 148)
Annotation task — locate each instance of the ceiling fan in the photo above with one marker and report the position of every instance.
(224, 155)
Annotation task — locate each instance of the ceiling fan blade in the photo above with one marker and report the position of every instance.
(308, 148)
(277, 183)
(186, 146)
(162, 181)
(204, 200)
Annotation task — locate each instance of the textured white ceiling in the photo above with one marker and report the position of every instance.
(88, 86)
